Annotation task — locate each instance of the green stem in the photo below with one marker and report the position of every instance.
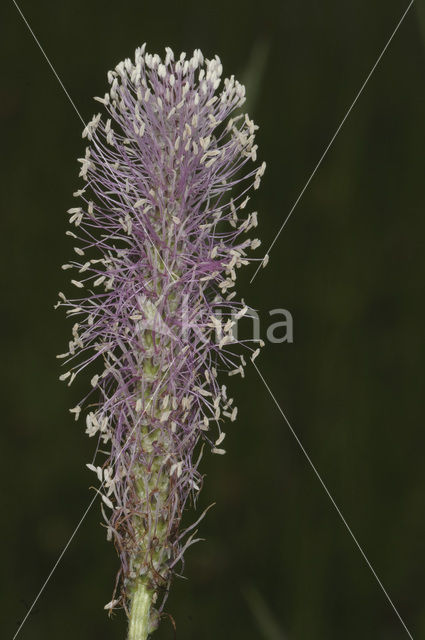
(138, 628)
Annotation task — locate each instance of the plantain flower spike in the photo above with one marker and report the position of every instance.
(160, 233)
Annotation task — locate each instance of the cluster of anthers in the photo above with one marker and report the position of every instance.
(160, 234)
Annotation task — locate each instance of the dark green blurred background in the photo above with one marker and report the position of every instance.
(350, 266)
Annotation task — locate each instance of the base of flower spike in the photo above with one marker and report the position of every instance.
(140, 620)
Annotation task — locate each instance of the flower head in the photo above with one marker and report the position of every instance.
(160, 234)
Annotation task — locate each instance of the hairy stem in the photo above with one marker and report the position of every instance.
(139, 625)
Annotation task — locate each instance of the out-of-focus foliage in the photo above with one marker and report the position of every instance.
(266, 621)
